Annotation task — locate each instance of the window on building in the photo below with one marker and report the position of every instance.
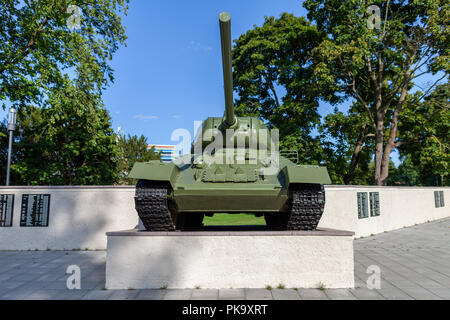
(374, 204)
(35, 210)
(363, 210)
(6, 209)
(439, 199)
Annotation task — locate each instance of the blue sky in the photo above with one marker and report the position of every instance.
(170, 73)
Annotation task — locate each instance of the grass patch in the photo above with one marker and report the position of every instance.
(321, 286)
(269, 287)
(227, 219)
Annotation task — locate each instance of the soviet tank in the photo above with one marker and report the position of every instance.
(242, 172)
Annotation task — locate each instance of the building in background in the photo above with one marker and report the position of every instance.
(168, 152)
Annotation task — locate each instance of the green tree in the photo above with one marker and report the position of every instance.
(408, 174)
(55, 75)
(68, 143)
(273, 76)
(3, 149)
(346, 140)
(377, 67)
(426, 126)
(38, 49)
(133, 149)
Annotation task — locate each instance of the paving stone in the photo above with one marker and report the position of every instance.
(17, 293)
(25, 277)
(49, 277)
(123, 295)
(151, 294)
(428, 283)
(43, 295)
(312, 294)
(394, 294)
(414, 262)
(74, 294)
(3, 291)
(178, 294)
(11, 284)
(359, 283)
(339, 294)
(57, 284)
(258, 294)
(285, 294)
(366, 294)
(94, 275)
(421, 294)
(92, 285)
(97, 295)
(443, 293)
(35, 285)
(205, 294)
(6, 276)
(404, 284)
(232, 294)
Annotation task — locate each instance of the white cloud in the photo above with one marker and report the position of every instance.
(198, 46)
(176, 116)
(144, 117)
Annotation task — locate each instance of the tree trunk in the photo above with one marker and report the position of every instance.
(384, 173)
(379, 125)
(387, 150)
(379, 137)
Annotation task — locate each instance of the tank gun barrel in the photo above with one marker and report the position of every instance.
(225, 36)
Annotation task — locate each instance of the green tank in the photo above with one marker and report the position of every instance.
(234, 167)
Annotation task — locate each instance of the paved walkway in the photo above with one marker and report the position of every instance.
(414, 264)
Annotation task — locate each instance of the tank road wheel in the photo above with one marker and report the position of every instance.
(152, 207)
(190, 221)
(308, 201)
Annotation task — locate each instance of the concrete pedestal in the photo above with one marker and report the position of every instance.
(234, 259)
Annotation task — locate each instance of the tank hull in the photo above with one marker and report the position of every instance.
(230, 199)
(193, 189)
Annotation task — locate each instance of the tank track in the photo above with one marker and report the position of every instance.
(308, 202)
(152, 207)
